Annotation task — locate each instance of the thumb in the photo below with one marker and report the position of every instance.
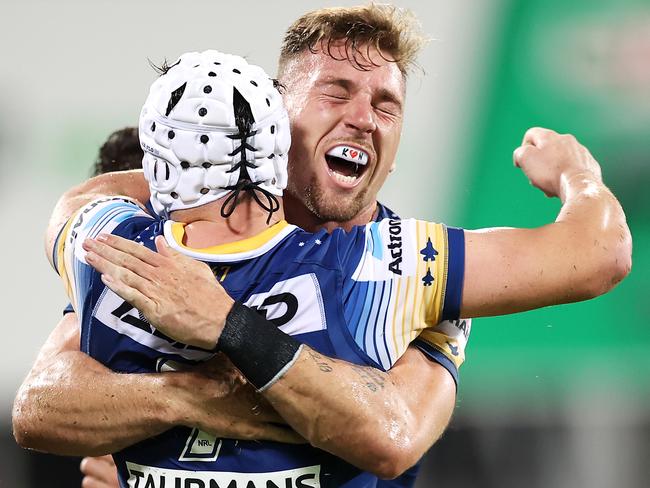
(163, 248)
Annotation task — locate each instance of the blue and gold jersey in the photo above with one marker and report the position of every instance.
(361, 296)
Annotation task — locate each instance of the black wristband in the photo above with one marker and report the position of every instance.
(261, 351)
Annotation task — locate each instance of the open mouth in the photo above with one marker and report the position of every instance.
(346, 163)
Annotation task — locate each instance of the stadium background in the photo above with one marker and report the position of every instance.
(556, 397)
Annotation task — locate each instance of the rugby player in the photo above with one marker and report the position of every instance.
(424, 389)
(181, 299)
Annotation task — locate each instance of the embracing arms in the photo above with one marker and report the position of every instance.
(70, 404)
(395, 408)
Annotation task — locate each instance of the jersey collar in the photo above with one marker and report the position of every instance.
(255, 246)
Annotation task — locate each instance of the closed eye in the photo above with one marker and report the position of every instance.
(337, 97)
(389, 109)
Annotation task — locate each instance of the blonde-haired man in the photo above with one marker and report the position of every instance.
(345, 93)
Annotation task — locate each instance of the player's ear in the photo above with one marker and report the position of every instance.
(392, 167)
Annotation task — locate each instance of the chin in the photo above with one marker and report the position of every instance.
(335, 209)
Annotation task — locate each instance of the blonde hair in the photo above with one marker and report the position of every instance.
(394, 32)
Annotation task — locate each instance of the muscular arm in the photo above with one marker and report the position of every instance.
(583, 254)
(70, 404)
(382, 422)
(424, 402)
(398, 407)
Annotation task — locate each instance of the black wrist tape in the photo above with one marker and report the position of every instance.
(261, 351)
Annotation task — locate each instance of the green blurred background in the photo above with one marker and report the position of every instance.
(581, 67)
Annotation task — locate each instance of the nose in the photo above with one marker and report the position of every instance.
(360, 115)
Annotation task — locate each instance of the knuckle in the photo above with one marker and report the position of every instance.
(88, 482)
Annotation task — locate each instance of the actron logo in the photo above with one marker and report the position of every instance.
(395, 246)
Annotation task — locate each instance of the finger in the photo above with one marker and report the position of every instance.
(132, 248)
(99, 472)
(92, 482)
(130, 294)
(124, 275)
(536, 136)
(164, 249)
(522, 153)
(120, 258)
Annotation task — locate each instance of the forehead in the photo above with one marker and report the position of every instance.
(378, 73)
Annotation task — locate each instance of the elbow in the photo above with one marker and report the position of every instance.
(615, 263)
(35, 428)
(391, 459)
(386, 454)
(25, 433)
(621, 263)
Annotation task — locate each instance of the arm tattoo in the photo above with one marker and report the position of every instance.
(323, 365)
(373, 378)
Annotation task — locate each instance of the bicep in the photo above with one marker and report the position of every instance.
(64, 338)
(512, 270)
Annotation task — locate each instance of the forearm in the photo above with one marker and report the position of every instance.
(595, 220)
(581, 255)
(381, 422)
(76, 406)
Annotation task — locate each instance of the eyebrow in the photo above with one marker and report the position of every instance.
(382, 94)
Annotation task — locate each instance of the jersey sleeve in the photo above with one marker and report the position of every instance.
(100, 216)
(402, 277)
(445, 343)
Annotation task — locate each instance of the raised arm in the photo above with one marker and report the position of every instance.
(556, 164)
(583, 254)
(70, 404)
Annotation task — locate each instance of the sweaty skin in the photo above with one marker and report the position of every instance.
(432, 410)
(349, 126)
(573, 269)
(217, 399)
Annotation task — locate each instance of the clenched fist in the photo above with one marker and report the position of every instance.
(548, 158)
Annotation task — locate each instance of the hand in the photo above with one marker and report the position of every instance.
(177, 294)
(223, 405)
(99, 472)
(548, 158)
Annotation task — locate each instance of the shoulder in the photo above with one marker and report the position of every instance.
(383, 212)
(109, 215)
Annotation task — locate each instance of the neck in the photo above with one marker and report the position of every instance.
(298, 214)
(205, 227)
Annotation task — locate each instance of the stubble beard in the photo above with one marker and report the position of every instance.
(330, 208)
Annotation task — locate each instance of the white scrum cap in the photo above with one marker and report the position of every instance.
(196, 148)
